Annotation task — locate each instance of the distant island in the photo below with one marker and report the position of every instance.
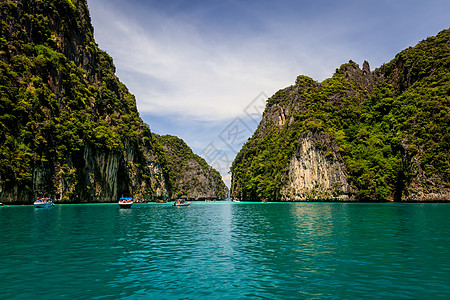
(188, 175)
(69, 129)
(361, 135)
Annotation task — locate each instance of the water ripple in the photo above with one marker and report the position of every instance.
(227, 251)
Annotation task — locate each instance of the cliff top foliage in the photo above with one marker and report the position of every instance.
(378, 119)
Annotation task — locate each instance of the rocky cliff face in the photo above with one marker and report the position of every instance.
(315, 174)
(189, 175)
(69, 128)
(358, 136)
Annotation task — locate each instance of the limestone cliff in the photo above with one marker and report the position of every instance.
(188, 175)
(69, 129)
(361, 135)
(314, 174)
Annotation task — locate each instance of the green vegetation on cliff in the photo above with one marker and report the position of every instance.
(59, 97)
(391, 127)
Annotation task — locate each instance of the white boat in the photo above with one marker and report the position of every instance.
(181, 202)
(43, 203)
(125, 202)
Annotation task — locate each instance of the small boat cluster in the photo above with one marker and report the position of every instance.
(126, 202)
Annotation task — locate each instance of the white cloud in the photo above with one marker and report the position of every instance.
(173, 68)
(176, 65)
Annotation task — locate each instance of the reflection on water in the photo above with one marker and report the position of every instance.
(226, 250)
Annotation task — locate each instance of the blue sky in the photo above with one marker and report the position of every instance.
(201, 70)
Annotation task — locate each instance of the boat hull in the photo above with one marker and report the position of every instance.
(125, 205)
(43, 205)
(182, 204)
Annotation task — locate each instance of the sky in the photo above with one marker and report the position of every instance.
(203, 69)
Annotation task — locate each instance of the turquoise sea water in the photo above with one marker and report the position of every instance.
(226, 250)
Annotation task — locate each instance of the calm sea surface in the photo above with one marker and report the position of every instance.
(226, 250)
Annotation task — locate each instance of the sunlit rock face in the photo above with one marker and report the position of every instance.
(315, 173)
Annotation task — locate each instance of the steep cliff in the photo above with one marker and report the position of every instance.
(188, 175)
(358, 136)
(313, 174)
(69, 128)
